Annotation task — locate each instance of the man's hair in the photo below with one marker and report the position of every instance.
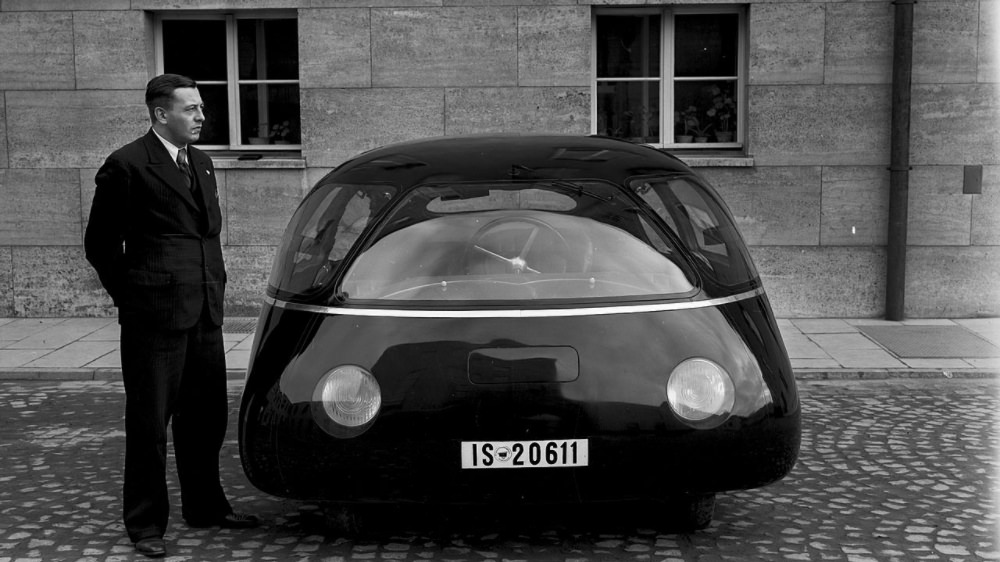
(160, 90)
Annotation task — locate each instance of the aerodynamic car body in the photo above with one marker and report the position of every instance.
(498, 319)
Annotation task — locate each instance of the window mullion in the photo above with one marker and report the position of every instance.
(645, 39)
(275, 81)
(232, 89)
(158, 44)
(703, 78)
(741, 102)
(593, 73)
(630, 79)
(667, 84)
(263, 108)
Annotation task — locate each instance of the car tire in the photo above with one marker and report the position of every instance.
(343, 519)
(693, 512)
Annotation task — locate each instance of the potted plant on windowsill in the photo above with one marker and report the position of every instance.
(701, 132)
(722, 110)
(681, 121)
(642, 124)
(281, 133)
(693, 128)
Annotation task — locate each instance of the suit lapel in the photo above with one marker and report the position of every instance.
(161, 166)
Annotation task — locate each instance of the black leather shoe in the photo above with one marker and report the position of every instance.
(152, 547)
(229, 521)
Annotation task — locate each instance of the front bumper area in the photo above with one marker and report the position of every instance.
(417, 459)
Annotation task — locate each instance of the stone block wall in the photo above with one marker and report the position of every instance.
(820, 103)
(810, 194)
(372, 76)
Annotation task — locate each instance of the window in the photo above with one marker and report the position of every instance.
(702, 225)
(247, 70)
(321, 232)
(671, 77)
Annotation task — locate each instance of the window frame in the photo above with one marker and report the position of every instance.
(667, 79)
(233, 81)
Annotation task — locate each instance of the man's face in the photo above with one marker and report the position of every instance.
(181, 122)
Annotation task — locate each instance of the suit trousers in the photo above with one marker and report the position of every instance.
(175, 377)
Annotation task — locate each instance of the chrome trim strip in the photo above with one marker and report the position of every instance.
(514, 313)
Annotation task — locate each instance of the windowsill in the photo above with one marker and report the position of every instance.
(709, 160)
(258, 160)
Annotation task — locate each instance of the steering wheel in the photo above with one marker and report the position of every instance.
(518, 245)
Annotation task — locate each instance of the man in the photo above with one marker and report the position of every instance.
(153, 238)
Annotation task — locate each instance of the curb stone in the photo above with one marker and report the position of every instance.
(101, 374)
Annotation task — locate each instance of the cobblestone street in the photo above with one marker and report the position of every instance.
(897, 469)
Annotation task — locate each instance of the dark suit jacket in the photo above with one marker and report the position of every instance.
(153, 241)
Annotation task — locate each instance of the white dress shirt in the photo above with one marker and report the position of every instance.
(173, 150)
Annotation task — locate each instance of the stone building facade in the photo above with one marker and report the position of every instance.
(808, 181)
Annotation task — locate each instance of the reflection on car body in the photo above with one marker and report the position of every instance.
(441, 308)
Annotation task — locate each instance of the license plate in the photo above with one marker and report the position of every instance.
(524, 454)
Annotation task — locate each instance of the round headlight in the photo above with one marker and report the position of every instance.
(349, 395)
(700, 392)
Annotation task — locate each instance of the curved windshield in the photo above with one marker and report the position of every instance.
(516, 242)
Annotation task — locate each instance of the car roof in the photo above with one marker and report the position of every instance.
(505, 157)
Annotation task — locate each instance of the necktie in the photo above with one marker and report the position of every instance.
(182, 163)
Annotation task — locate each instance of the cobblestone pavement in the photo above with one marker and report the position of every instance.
(889, 470)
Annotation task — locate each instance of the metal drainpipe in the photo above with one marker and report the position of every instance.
(899, 164)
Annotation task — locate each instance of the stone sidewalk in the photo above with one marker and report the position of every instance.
(87, 348)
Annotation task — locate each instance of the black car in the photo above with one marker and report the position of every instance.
(516, 319)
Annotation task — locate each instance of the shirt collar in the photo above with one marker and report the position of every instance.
(173, 150)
